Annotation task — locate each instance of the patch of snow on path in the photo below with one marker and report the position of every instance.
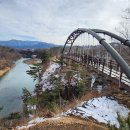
(102, 109)
(46, 76)
(36, 121)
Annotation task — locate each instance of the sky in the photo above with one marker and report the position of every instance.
(53, 20)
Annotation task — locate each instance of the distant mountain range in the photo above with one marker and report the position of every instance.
(26, 44)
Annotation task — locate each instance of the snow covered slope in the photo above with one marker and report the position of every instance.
(102, 109)
(47, 74)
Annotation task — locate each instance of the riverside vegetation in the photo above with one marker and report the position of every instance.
(7, 57)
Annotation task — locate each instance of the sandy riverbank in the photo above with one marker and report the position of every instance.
(32, 61)
(4, 71)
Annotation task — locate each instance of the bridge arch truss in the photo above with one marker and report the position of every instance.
(95, 33)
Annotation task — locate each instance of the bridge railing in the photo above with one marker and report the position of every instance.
(109, 68)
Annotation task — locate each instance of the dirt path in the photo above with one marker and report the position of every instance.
(68, 123)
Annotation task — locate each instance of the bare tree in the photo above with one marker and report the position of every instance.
(124, 26)
(124, 31)
(127, 14)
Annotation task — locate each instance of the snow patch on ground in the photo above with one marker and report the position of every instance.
(46, 76)
(99, 88)
(31, 123)
(36, 120)
(31, 107)
(102, 109)
(93, 80)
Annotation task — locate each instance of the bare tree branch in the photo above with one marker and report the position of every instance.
(127, 14)
(124, 30)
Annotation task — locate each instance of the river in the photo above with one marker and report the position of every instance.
(11, 85)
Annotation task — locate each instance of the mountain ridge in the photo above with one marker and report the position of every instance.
(20, 44)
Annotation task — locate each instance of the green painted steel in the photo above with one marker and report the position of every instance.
(122, 40)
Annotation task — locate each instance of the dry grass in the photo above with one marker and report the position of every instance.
(75, 102)
(123, 98)
(68, 123)
(10, 124)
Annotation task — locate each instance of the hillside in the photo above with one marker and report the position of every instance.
(26, 44)
(7, 57)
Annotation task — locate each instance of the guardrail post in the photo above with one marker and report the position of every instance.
(103, 65)
(110, 67)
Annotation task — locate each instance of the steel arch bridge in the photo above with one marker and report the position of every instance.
(85, 58)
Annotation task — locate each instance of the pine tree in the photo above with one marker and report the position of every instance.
(34, 71)
(26, 96)
(38, 90)
(44, 56)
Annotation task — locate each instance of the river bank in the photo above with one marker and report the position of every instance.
(32, 61)
(27, 61)
(6, 70)
(7, 58)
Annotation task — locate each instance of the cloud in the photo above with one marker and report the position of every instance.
(53, 20)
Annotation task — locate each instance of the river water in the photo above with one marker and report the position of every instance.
(11, 85)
